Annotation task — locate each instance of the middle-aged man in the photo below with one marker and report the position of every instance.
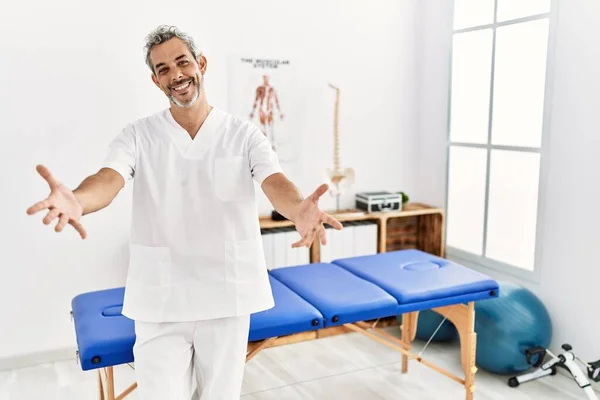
(197, 268)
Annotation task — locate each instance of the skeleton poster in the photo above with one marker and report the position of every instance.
(266, 92)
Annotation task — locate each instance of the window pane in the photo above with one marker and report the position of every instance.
(466, 198)
(512, 207)
(512, 9)
(469, 13)
(471, 74)
(519, 84)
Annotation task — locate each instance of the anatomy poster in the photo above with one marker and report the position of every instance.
(267, 92)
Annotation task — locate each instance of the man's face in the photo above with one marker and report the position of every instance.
(176, 72)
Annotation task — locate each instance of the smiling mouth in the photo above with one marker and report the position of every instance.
(179, 89)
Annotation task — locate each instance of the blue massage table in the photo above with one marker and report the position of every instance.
(351, 294)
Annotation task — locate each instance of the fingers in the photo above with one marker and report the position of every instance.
(40, 205)
(307, 240)
(322, 236)
(51, 216)
(62, 221)
(79, 228)
(321, 190)
(54, 213)
(328, 219)
(45, 173)
(47, 203)
(301, 242)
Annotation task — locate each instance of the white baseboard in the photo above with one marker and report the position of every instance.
(32, 359)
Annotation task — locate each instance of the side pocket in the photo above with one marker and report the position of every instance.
(244, 260)
(149, 265)
(233, 179)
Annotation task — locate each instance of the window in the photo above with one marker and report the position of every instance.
(496, 131)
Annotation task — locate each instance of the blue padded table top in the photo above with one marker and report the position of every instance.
(291, 314)
(104, 336)
(421, 279)
(339, 295)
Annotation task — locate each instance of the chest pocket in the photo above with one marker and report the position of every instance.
(233, 179)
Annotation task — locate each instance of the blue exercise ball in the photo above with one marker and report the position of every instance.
(429, 321)
(508, 325)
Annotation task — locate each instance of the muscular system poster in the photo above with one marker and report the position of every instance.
(265, 92)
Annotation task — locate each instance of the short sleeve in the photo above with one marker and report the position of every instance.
(121, 154)
(263, 159)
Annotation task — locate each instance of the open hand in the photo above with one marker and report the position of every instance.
(61, 203)
(309, 219)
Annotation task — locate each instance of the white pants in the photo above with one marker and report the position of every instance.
(170, 356)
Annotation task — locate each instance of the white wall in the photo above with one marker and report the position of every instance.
(72, 75)
(433, 54)
(570, 270)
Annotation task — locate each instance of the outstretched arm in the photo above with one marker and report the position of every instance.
(303, 212)
(94, 193)
(99, 190)
(283, 195)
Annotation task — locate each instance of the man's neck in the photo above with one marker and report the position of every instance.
(192, 118)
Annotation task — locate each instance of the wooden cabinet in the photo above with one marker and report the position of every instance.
(417, 226)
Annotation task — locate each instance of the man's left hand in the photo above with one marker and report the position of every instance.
(309, 219)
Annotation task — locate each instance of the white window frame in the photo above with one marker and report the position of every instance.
(481, 262)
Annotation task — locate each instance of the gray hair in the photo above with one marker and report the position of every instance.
(166, 32)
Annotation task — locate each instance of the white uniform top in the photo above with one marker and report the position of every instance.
(196, 248)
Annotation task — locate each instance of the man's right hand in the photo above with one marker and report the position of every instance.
(61, 203)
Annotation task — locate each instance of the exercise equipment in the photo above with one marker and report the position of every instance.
(507, 326)
(344, 294)
(564, 360)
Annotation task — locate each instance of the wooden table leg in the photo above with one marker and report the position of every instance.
(127, 391)
(468, 349)
(100, 385)
(409, 331)
(110, 383)
(463, 318)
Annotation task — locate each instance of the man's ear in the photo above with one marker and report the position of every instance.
(153, 76)
(202, 63)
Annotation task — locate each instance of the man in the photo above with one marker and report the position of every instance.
(197, 268)
(265, 98)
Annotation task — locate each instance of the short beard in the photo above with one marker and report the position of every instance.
(191, 101)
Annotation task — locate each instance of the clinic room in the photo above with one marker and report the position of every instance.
(315, 200)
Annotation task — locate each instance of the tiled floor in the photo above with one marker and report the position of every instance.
(349, 367)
